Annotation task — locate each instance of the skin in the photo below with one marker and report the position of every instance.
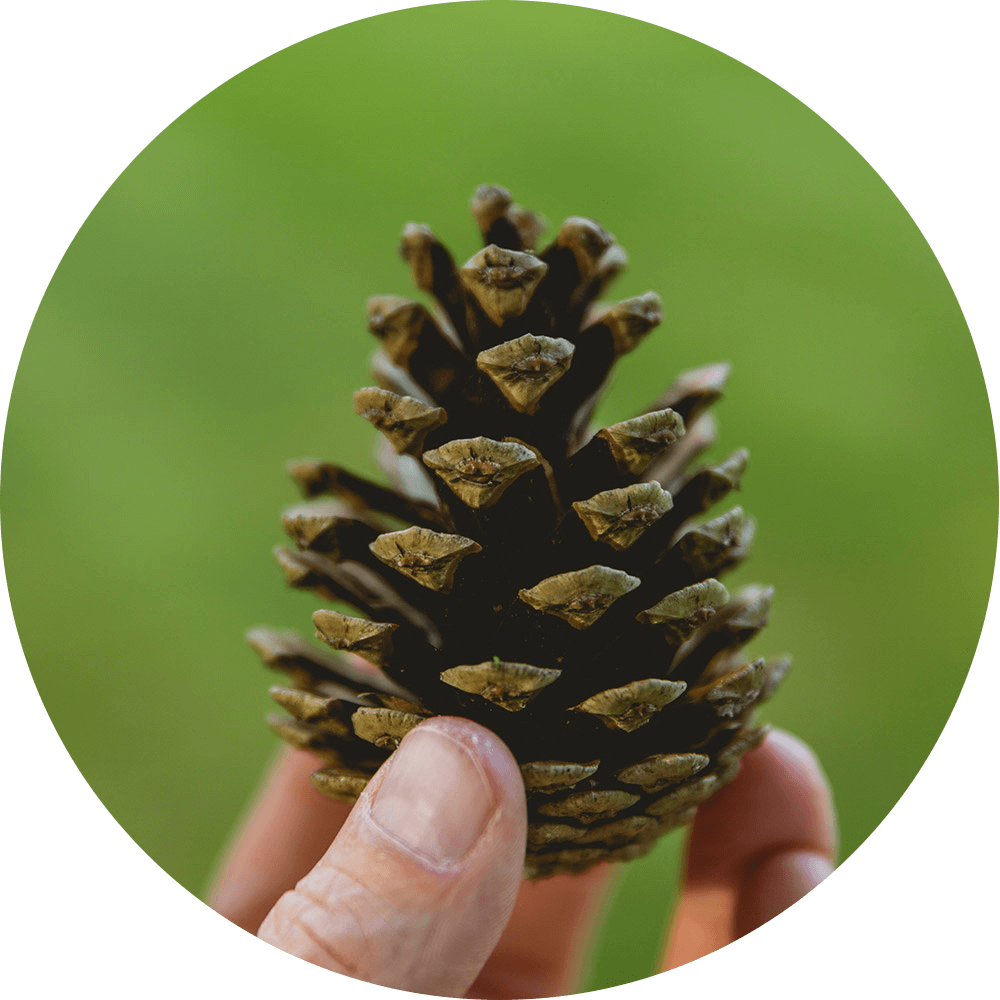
(419, 887)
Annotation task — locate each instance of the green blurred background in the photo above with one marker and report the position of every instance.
(207, 324)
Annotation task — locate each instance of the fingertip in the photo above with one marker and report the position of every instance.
(781, 799)
(794, 754)
(484, 747)
(786, 760)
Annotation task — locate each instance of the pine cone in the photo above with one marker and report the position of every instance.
(554, 584)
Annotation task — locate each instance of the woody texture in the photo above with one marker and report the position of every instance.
(556, 582)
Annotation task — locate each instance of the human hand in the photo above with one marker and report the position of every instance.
(421, 887)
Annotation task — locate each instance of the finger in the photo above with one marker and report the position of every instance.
(780, 799)
(541, 953)
(422, 878)
(756, 847)
(287, 830)
(775, 882)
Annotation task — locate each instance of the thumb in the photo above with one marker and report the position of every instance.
(421, 880)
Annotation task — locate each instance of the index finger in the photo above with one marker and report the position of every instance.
(286, 831)
(756, 847)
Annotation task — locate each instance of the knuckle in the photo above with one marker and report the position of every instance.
(336, 925)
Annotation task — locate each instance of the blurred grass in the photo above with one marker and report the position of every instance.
(206, 325)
